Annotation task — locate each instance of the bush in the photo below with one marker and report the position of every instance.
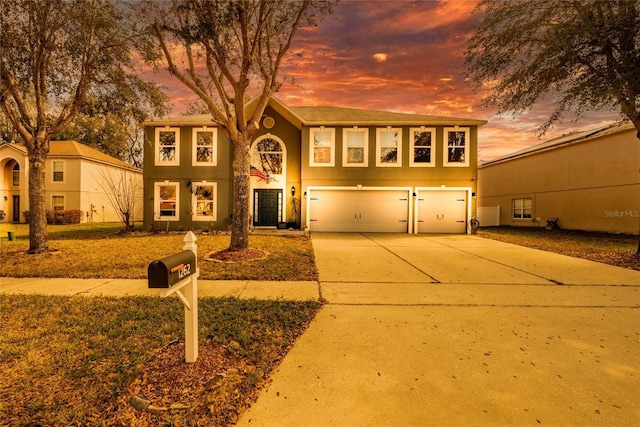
(64, 217)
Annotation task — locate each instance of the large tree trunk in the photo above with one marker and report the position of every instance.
(241, 170)
(38, 240)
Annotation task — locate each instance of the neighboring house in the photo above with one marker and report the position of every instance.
(589, 180)
(320, 168)
(75, 180)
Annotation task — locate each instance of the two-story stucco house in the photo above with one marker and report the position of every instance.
(324, 168)
(589, 180)
(75, 180)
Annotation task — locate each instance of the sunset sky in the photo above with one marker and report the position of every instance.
(403, 56)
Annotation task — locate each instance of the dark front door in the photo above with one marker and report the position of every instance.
(266, 206)
(16, 209)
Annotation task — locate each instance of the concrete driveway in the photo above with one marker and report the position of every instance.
(458, 330)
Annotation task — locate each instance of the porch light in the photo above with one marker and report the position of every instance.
(293, 191)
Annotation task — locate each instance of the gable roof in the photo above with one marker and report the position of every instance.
(564, 140)
(73, 149)
(327, 116)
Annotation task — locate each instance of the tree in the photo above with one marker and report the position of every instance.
(54, 55)
(226, 51)
(122, 190)
(584, 52)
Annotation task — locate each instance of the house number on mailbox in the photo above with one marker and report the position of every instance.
(182, 269)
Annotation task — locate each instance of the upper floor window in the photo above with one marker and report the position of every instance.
(521, 208)
(58, 171)
(355, 147)
(15, 175)
(166, 201)
(423, 147)
(322, 149)
(167, 146)
(204, 197)
(389, 146)
(456, 142)
(204, 145)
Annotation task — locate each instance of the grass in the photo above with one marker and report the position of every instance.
(614, 249)
(99, 250)
(79, 360)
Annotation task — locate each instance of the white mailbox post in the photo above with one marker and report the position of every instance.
(186, 290)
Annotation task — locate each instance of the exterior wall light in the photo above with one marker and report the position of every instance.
(293, 191)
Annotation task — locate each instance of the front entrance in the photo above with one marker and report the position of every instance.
(16, 209)
(267, 207)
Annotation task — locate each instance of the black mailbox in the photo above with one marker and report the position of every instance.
(168, 271)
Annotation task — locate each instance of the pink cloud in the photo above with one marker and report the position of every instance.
(424, 43)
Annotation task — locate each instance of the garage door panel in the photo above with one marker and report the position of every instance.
(442, 211)
(359, 210)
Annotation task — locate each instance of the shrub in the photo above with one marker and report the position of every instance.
(64, 217)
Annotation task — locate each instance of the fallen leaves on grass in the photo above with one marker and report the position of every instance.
(607, 248)
(229, 256)
(128, 256)
(80, 360)
(205, 392)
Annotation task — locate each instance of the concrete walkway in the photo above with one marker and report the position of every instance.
(441, 330)
(457, 331)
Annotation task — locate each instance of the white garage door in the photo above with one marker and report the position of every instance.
(442, 211)
(359, 210)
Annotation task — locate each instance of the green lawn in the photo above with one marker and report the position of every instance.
(101, 250)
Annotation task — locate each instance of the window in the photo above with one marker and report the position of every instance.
(267, 158)
(167, 146)
(423, 147)
(322, 150)
(457, 141)
(167, 200)
(204, 144)
(58, 171)
(16, 175)
(57, 203)
(204, 196)
(355, 147)
(521, 208)
(389, 147)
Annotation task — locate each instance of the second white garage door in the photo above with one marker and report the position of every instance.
(359, 210)
(442, 211)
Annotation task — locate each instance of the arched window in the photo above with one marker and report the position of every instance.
(268, 156)
(16, 175)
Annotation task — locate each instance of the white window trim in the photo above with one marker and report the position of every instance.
(364, 131)
(194, 146)
(176, 161)
(379, 146)
(64, 171)
(64, 201)
(522, 209)
(332, 156)
(194, 203)
(445, 147)
(156, 201)
(412, 132)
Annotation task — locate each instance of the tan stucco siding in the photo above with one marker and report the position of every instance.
(95, 202)
(589, 185)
